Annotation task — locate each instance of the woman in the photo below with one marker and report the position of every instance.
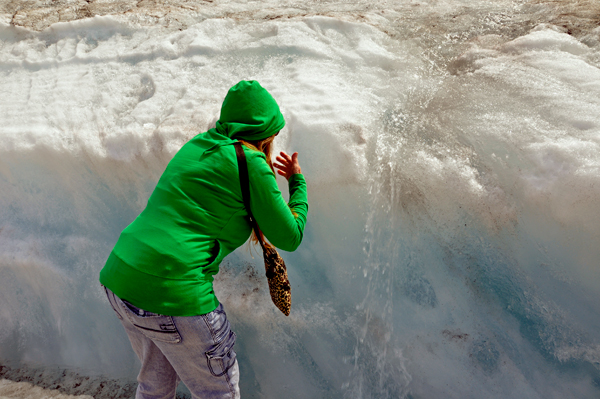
(159, 275)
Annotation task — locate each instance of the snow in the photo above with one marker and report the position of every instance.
(451, 249)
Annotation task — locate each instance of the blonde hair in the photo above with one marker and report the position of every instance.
(264, 146)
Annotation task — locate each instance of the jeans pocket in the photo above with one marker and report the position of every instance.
(222, 357)
(139, 312)
(157, 328)
(154, 326)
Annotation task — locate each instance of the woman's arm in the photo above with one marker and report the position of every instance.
(274, 217)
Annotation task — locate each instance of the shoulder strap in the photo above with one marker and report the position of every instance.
(245, 185)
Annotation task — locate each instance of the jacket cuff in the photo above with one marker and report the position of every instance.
(295, 180)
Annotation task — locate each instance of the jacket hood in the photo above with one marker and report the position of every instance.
(249, 112)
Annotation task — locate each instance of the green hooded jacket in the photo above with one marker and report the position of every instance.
(164, 261)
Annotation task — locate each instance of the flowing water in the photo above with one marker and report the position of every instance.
(452, 150)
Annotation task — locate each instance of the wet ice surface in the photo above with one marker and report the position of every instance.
(452, 153)
(34, 382)
(25, 390)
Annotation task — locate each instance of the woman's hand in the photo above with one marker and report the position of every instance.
(287, 165)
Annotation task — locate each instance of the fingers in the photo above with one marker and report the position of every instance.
(287, 165)
(285, 156)
(285, 159)
(284, 172)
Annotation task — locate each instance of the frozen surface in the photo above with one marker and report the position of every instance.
(452, 151)
(25, 390)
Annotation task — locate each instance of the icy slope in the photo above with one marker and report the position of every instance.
(452, 247)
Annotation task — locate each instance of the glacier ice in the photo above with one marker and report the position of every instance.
(452, 244)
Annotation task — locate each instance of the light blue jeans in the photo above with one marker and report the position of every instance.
(197, 350)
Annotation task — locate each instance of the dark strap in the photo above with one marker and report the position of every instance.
(245, 184)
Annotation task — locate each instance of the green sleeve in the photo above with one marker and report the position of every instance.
(274, 217)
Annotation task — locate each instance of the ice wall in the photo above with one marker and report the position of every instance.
(452, 245)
